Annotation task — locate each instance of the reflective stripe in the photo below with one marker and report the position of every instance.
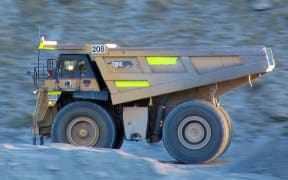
(53, 97)
(132, 83)
(166, 60)
(54, 92)
(42, 45)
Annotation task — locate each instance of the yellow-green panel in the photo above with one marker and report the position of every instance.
(54, 92)
(161, 60)
(132, 83)
(46, 47)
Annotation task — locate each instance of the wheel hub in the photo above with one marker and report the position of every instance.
(194, 132)
(82, 131)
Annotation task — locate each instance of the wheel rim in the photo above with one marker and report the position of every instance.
(82, 131)
(194, 132)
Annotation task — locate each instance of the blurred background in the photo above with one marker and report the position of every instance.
(257, 111)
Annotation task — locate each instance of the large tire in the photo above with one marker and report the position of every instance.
(119, 127)
(84, 124)
(230, 130)
(194, 132)
(120, 135)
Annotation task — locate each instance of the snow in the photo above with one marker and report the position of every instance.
(139, 160)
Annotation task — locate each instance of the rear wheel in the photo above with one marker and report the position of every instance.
(228, 125)
(194, 132)
(84, 124)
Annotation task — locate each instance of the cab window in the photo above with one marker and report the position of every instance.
(82, 66)
(68, 66)
(74, 66)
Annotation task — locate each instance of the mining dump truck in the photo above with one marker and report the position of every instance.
(97, 95)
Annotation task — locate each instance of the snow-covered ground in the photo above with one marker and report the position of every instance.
(263, 158)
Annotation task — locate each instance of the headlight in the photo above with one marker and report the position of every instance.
(35, 91)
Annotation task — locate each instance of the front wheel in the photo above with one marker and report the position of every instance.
(194, 132)
(84, 124)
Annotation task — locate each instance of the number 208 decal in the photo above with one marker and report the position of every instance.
(98, 48)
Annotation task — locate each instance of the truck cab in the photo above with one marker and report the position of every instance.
(73, 72)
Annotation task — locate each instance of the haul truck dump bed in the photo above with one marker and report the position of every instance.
(132, 73)
(99, 94)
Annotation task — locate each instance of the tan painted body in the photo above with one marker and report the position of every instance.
(149, 77)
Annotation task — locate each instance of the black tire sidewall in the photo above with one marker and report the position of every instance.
(107, 131)
(170, 129)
